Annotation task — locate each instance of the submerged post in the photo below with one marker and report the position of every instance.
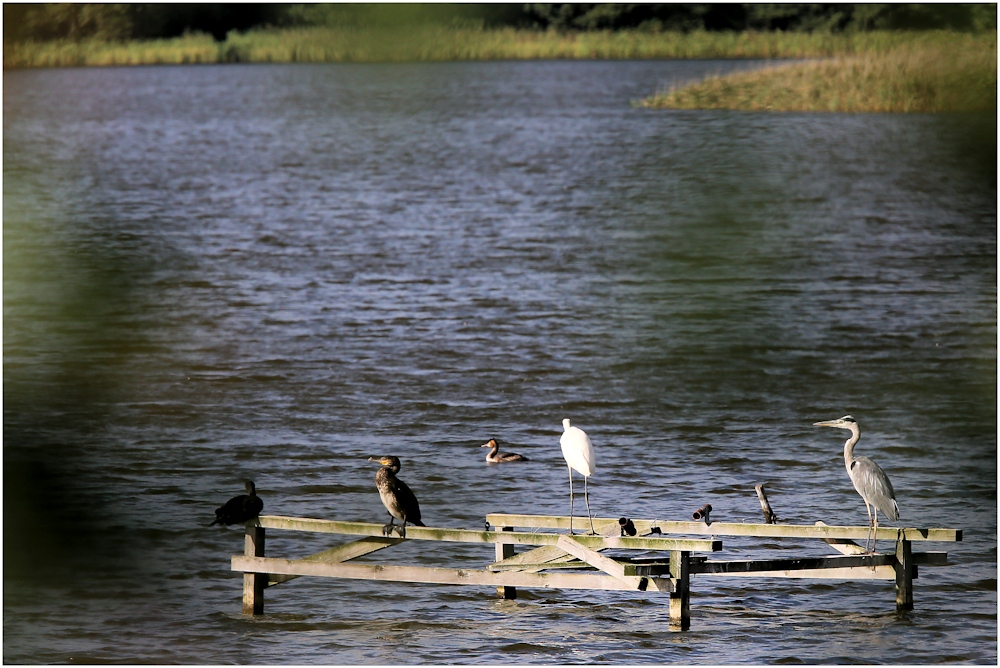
(680, 598)
(904, 575)
(254, 583)
(504, 551)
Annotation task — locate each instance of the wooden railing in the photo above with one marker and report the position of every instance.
(559, 560)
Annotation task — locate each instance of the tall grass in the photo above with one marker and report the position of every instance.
(441, 43)
(935, 72)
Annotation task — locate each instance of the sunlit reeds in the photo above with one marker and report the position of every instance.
(429, 42)
(933, 72)
(197, 48)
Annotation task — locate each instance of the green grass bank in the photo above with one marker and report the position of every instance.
(933, 72)
(429, 43)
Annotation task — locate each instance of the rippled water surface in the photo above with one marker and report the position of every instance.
(273, 272)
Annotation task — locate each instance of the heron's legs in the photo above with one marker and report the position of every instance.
(875, 534)
(586, 497)
(570, 469)
(869, 536)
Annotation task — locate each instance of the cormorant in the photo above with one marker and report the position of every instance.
(396, 496)
(497, 457)
(240, 509)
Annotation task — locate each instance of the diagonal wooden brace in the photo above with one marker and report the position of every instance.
(599, 561)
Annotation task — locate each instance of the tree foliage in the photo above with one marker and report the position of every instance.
(76, 21)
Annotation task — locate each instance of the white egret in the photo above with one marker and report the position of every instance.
(868, 477)
(578, 452)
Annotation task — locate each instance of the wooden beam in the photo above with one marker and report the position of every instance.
(795, 564)
(599, 561)
(734, 528)
(384, 572)
(540, 558)
(507, 537)
(852, 573)
(351, 550)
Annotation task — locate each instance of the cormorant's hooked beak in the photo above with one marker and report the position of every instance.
(384, 461)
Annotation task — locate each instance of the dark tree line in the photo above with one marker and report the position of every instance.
(149, 21)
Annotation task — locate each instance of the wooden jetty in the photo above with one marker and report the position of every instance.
(670, 556)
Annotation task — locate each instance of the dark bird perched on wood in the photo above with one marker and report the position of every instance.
(496, 457)
(396, 496)
(240, 509)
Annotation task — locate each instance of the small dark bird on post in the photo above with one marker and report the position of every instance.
(240, 509)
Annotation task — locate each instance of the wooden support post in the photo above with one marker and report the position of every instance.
(680, 597)
(904, 575)
(505, 551)
(769, 516)
(254, 583)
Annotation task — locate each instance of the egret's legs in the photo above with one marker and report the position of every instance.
(586, 497)
(570, 469)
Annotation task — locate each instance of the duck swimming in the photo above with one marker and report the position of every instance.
(497, 457)
(396, 496)
(240, 509)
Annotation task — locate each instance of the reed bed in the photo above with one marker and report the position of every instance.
(197, 48)
(935, 72)
(440, 43)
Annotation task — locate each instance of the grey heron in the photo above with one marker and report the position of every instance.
(396, 496)
(494, 456)
(578, 452)
(240, 509)
(868, 477)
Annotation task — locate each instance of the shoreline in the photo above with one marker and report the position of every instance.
(430, 43)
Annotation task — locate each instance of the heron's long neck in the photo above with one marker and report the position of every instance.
(849, 446)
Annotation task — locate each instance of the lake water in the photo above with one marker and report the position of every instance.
(274, 272)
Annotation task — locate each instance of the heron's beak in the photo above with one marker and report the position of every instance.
(826, 423)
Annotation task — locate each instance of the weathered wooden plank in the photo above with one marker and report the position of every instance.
(853, 573)
(351, 550)
(735, 528)
(571, 562)
(425, 574)
(534, 560)
(599, 561)
(508, 537)
(793, 564)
